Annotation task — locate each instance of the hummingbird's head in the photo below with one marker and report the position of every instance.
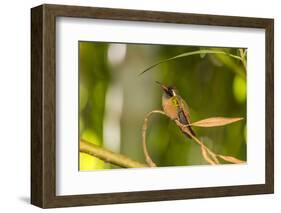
(168, 90)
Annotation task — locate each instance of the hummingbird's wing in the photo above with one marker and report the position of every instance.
(184, 110)
(183, 114)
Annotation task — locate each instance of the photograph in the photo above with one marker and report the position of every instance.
(156, 105)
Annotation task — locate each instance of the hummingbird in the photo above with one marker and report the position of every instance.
(175, 107)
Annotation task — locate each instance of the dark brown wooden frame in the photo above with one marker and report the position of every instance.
(43, 105)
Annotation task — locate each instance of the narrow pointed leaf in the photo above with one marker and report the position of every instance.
(231, 159)
(216, 121)
(198, 52)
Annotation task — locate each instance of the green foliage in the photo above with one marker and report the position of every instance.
(88, 162)
(239, 89)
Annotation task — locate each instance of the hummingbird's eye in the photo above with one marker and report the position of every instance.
(170, 91)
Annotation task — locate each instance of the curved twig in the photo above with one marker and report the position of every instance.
(148, 159)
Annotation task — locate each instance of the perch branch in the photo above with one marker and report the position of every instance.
(208, 154)
(108, 156)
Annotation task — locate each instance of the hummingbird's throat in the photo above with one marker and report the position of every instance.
(175, 101)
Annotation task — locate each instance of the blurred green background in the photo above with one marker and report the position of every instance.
(114, 101)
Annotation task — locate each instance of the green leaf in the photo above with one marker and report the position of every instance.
(198, 52)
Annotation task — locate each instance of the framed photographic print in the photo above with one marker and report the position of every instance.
(135, 106)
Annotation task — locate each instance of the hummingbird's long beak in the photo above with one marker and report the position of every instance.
(163, 86)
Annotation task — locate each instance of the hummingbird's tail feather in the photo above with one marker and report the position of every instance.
(192, 131)
(187, 135)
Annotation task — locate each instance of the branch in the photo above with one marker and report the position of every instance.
(108, 156)
(208, 154)
(148, 159)
(243, 58)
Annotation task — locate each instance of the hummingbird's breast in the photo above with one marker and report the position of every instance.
(170, 106)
